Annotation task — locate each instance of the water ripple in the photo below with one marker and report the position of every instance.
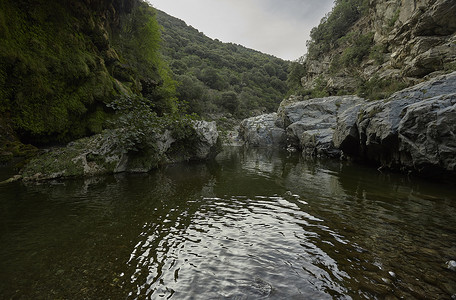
(239, 247)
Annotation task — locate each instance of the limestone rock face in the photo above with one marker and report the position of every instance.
(417, 39)
(427, 134)
(310, 124)
(261, 131)
(207, 136)
(102, 154)
(300, 124)
(413, 130)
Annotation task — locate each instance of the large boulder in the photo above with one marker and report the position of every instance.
(262, 131)
(427, 134)
(299, 124)
(105, 154)
(207, 136)
(310, 124)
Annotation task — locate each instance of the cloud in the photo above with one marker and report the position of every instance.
(277, 27)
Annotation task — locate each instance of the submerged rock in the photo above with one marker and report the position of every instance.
(451, 265)
(103, 154)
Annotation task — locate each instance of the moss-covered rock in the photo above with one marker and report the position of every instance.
(103, 154)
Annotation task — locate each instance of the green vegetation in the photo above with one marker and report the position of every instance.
(297, 72)
(357, 47)
(450, 67)
(62, 62)
(335, 25)
(221, 78)
(376, 88)
(136, 121)
(348, 49)
(394, 19)
(50, 77)
(377, 53)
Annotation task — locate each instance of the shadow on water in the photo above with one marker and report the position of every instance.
(254, 224)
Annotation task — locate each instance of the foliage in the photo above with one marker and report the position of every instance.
(450, 67)
(136, 124)
(359, 46)
(209, 73)
(134, 116)
(377, 53)
(62, 61)
(138, 43)
(377, 88)
(297, 70)
(50, 78)
(335, 25)
(394, 18)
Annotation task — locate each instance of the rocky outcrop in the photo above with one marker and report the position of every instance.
(412, 41)
(103, 154)
(305, 125)
(413, 130)
(310, 124)
(261, 131)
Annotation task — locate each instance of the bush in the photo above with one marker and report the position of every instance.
(136, 122)
(335, 25)
(377, 53)
(360, 47)
(376, 88)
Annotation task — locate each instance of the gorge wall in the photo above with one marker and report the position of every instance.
(374, 49)
(391, 45)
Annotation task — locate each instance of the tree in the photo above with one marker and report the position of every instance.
(230, 101)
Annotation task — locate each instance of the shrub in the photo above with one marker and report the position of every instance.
(376, 88)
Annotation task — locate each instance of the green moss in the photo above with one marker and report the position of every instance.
(55, 162)
(96, 120)
(450, 67)
(52, 72)
(54, 79)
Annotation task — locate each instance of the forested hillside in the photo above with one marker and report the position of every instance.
(219, 78)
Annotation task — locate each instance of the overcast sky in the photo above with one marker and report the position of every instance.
(277, 27)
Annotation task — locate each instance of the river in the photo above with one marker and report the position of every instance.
(253, 224)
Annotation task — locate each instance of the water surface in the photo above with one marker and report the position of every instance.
(253, 225)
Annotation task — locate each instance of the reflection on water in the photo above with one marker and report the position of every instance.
(252, 225)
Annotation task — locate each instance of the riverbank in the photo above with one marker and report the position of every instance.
(103, 154)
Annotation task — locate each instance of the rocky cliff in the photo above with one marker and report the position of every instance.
(413, 130)
(390, 45)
